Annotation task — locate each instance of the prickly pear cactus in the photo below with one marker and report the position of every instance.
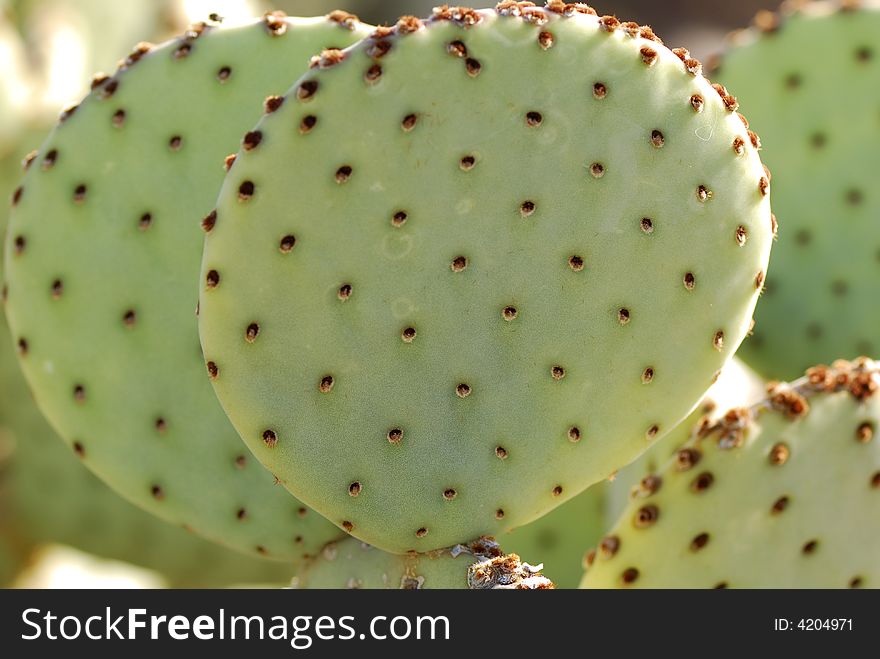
(784, 494)
(737, 386)
(103, 249)
(479, 565)
(427, 342)
(811, 82)
(559, 537)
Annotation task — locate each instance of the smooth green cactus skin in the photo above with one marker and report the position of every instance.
(794, 505)
(811, 89)
(353, 564)
(101, 264)
(46, 496)
(414, 332)
(559, 537)
(737, 386)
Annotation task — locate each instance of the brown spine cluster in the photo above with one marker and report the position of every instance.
(343, 19)
(691, 65)
(512, 8)
(570, 8)
(496, 570)
(328, 58)
(276, 23)
(860, 378)
(135, 55)
(464, 16)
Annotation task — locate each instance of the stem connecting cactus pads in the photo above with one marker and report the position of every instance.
(784, 494)
(102, 259)
(478, 565)
(811, 82)
(475, 264)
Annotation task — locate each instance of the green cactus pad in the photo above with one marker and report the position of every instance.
(785, 494)
(102, 259)
(48, 497)
(810, 81)
(479, 565)
(458, 256)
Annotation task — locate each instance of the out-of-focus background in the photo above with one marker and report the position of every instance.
(60, 527)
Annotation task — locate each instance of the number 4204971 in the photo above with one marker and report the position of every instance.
(813, 624)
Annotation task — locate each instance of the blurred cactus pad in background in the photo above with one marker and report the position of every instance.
(412, 296)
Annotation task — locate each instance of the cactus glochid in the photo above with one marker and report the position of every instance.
(810, 79)
(439, 309)
(104, 242)
(783, 494)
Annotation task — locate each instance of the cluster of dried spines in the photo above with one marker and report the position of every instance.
(785, 493)
(103, 250)
(815, 102)
(382, 330)
(477, 565)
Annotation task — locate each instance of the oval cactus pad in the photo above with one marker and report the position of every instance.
(475, 264)
(815, 104)
(102, 258)
(785, 494)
